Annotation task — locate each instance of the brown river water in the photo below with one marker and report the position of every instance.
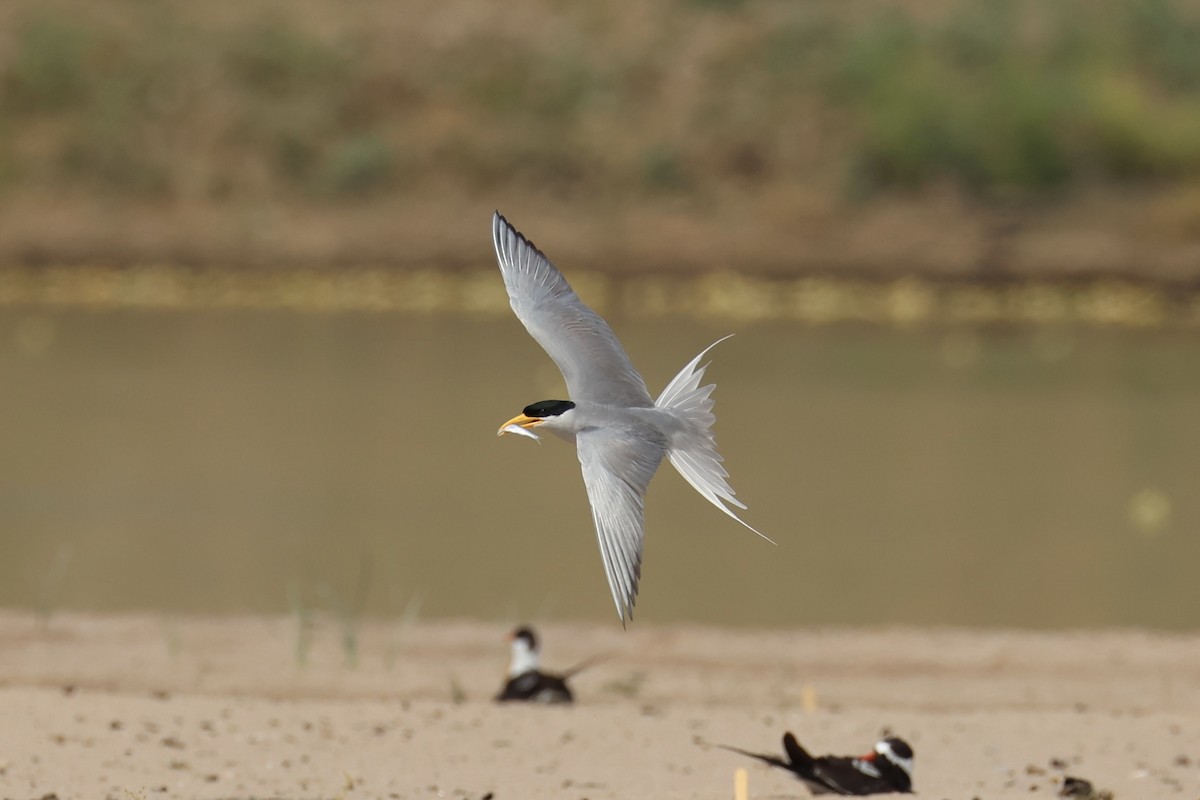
(224, 461)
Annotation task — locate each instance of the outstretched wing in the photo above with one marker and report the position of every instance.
(587, 352)
(617, 468)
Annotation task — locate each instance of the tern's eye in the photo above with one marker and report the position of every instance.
(548, 408)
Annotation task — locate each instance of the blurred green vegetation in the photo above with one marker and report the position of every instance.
(168, 99)
(1008, 95)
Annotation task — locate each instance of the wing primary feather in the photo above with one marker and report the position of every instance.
(578, 340)
(616, 568)
(617, 466)
(610, 574)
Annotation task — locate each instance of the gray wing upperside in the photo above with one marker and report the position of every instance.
(577, 339)
(617, 468)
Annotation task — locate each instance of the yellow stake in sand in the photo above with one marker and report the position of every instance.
(741, 784)
(808, 698)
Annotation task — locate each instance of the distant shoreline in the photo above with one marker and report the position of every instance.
(909, 301)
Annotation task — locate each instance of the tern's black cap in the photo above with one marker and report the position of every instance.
(548, 408)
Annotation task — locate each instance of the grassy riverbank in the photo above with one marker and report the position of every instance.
(962, 136)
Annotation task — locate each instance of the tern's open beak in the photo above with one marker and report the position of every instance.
(522, 421)
(869, 756)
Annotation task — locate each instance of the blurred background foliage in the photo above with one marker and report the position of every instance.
(778, 115)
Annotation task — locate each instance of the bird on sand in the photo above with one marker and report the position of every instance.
(1081, 787)
(621, 435)
(886, 769)
(526, 680)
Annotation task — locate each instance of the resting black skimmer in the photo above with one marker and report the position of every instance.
(1079, 787)
(884, 770)
(526, 681)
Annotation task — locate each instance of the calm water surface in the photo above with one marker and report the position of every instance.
(250, 461)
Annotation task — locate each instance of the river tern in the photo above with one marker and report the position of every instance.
(620, 433)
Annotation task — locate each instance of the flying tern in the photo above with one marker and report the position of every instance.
(620, 433)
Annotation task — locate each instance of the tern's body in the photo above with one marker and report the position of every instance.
(656, 427)
(621, 434)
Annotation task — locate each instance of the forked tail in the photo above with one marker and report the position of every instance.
(694, 455)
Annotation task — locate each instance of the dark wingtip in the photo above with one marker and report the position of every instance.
(501, 226)
(763, 757)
